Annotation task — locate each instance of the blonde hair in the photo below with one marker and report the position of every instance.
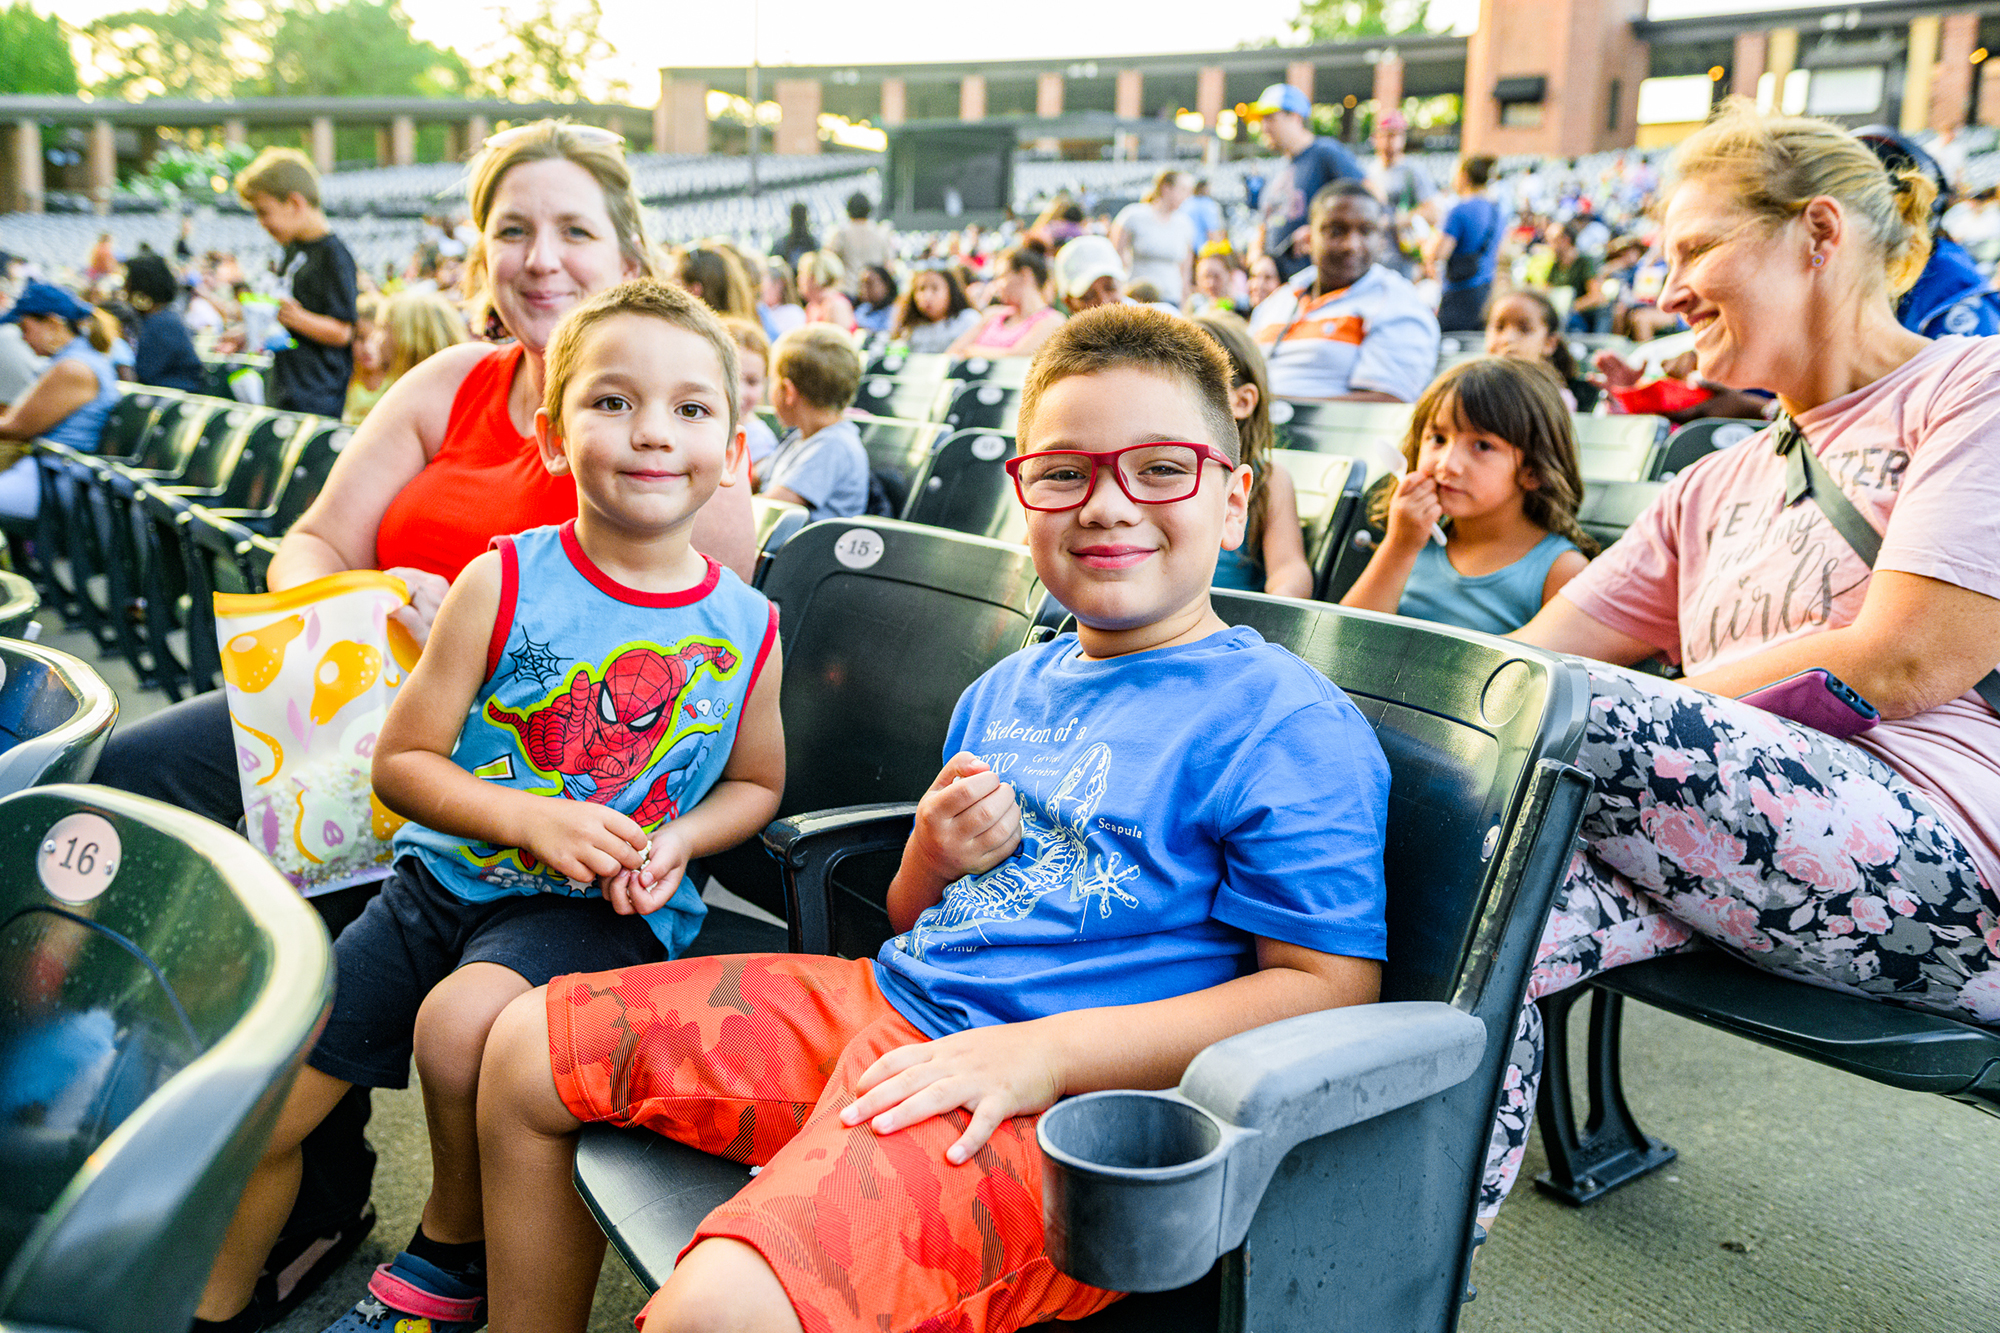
(279, 173)
(821, 363)
(1145, 338)
(825, 267)
(1246, 366)
(420, 324)
(543, 141)
(749, 336)
(1161, 183)
(1777, 164)
(652, 299)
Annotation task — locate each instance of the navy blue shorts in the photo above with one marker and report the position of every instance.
(415, 933)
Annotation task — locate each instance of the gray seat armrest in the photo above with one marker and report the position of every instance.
(1143, 1191)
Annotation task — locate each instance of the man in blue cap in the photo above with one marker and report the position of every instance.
(1314, 161)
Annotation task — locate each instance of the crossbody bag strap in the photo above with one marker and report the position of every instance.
(1806, 476)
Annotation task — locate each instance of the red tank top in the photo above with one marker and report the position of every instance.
(485, 481)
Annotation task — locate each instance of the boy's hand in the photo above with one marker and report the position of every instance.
(577, 839)
(993, 1072)
(969, 821)
(647, 889)
(1414, 510)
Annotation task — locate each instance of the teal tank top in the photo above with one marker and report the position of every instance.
(80, 429)
(1497, 603)
(599, 692)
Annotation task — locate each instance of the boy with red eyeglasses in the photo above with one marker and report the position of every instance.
(1151, 834)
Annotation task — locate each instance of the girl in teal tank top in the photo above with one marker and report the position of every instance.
(1272, 557)
(1482, 529)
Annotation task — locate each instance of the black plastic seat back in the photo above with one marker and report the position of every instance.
(55, 714)
(916, 397)
(988, 406)
(884, 625)
(1328, 488)
(129, 422)
(900, 363)
(1622, 448)
(778, 521)
(171, 435)
(1698, 439)
(159, 984)
(897, 451)
(319, 446)
(965, 487)
(18, 603)
(1009, 372)
(213, 447)
(1610, 507)
(1371, 432)
(262, 462)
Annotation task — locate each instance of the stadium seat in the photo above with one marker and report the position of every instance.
(901, 363)
(778, 521)
(1698, 439)
(1009, 372)
(964, 487)
(55, 714)
(1623, 448)
(18, 603)
(885, 623)
(911, 398)
(162, 983)
(1610, 507)
(987, 406)
(1381, 1113)
(897, 451)
(1328, 488)
(1902, 1048)
(1371, 432)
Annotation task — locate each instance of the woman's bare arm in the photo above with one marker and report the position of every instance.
(1286, 573)
(61, 390)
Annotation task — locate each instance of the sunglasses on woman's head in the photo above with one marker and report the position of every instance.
(590, 134)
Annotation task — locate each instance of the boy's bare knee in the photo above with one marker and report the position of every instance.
(454, 1022)
(723, 1286)
(517, 1082)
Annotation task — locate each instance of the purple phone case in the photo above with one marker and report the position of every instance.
(1807, 697)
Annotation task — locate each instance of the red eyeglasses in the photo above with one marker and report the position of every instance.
(1158, 473)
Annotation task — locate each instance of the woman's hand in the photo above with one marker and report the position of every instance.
(993, 1072)
(1414, 509)
(427, 592)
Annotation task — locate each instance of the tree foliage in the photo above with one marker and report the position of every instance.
(37, 52)
(546, 50)
(356, 48)
(1347, 20)
(193, 48)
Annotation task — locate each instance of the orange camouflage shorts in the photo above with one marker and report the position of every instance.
(751, 1057)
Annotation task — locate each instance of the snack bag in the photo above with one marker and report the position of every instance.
(309, 674)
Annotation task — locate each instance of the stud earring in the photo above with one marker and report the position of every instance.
(1819, 261)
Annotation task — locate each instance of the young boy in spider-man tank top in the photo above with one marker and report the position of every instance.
(596, 707)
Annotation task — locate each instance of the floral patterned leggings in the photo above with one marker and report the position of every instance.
(1800, 853)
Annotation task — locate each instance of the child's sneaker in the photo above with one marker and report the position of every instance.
(428, 1298)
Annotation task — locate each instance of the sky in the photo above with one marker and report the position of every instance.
(649, 34)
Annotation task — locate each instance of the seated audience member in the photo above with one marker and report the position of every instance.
(164, 357)
(934, 313)
(754, 366)
(1242, 792)
(1950, 295)
(1346, 327)
(1867, 864)
(878, 299)
(1090, 274)
(1020, 319)
(1492, 466)
(1263, 279)
(1216, 275)
(371, 368)
(1576, 272)
(820, 277)
(72, 396)
(411, 327)
(714, 277)
(815, 373)
(1272, 555)
(780, 311)
(1523, 325)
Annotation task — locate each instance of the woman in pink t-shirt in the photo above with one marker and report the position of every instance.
(1867, 865)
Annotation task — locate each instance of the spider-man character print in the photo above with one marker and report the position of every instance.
(630, 736)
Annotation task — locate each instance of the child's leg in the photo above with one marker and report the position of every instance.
(267, 1198)
(452, 1030)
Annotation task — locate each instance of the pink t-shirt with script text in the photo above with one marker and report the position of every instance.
(1719, 569)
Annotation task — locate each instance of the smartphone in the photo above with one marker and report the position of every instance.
(1820, 700)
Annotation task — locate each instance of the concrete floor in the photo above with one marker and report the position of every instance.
(1803, 1200)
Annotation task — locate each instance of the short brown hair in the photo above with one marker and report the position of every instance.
(821, 363)
(279, 173)
(749, 336)
(641, 296)
(1144, 338)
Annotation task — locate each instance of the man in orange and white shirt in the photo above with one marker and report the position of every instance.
(1347, 327)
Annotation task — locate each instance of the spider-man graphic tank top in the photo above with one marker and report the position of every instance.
(599, 692)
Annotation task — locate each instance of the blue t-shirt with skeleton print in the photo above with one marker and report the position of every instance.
(1174, 805)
